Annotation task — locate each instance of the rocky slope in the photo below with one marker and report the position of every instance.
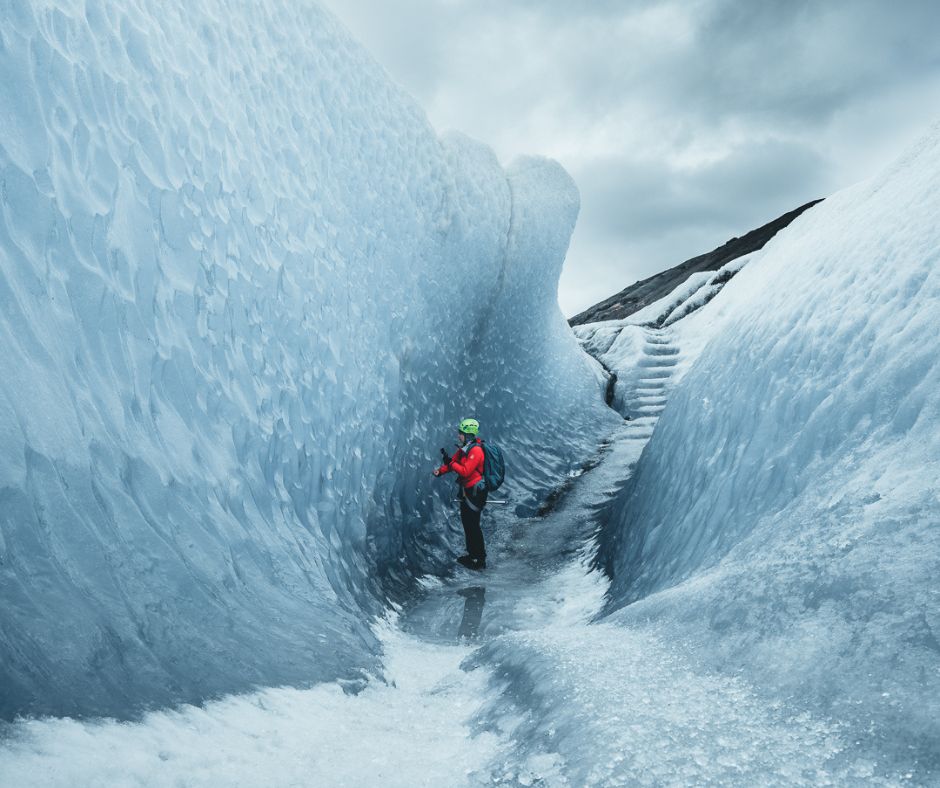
(641, 294)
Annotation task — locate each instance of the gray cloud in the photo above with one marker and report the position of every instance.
(628, 199)
(684, 123)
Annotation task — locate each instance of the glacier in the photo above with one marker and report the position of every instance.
(783, 520)
(246, 292)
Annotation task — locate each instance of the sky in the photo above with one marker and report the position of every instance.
(683, 123)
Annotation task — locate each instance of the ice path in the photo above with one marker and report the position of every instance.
(660, 356)
(498, 677)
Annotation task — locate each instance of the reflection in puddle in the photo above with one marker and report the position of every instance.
(474, 598)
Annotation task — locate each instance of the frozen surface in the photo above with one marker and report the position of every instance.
(245, 291)
(640, 362)
(284, 736)
(609, 706)
(692, 294)
(425, 726)
(783, 520)
(700, 296)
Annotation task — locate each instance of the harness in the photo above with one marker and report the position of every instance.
(469, 502)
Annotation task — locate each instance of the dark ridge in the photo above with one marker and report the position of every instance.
(640, 294)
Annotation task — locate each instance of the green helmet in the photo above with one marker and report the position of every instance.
(469, 426)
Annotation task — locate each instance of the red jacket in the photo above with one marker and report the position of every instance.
(469, 466)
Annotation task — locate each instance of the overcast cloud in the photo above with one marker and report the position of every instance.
(683, 123)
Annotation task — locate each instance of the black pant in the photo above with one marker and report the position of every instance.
(471, 522)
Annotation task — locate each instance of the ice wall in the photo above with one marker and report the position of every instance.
(246, 292)
(784, 518)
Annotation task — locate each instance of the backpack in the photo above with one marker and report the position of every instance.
(494, 471)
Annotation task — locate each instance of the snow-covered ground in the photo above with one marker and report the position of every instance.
(280, 736)
(628, 351)
(505, 677)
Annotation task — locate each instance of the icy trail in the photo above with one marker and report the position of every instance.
(496, 677)
(660, 357)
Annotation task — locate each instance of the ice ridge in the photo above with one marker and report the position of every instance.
(783, 520)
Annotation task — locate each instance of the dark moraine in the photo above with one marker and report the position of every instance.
(641, 294)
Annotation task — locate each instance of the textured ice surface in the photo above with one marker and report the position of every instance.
(245, 291)
(702, 295)
(281, 736)
(424, 727)
(637, 364)
(621, 348)
(549, 700)
(605, 705)
(783, 520)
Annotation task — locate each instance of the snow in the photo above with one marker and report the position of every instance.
(783, 519)
(550, 699)
(617, 707)
(697, 298)
(280, 736)
(629, 348)
(246, 293)
(661, 309)
(690, 295)
(428, 725)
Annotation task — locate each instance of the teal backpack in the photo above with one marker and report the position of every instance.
(494, 470)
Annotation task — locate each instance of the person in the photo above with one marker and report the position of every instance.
(467, 463)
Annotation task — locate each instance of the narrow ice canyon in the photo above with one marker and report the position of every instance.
(247, 290)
